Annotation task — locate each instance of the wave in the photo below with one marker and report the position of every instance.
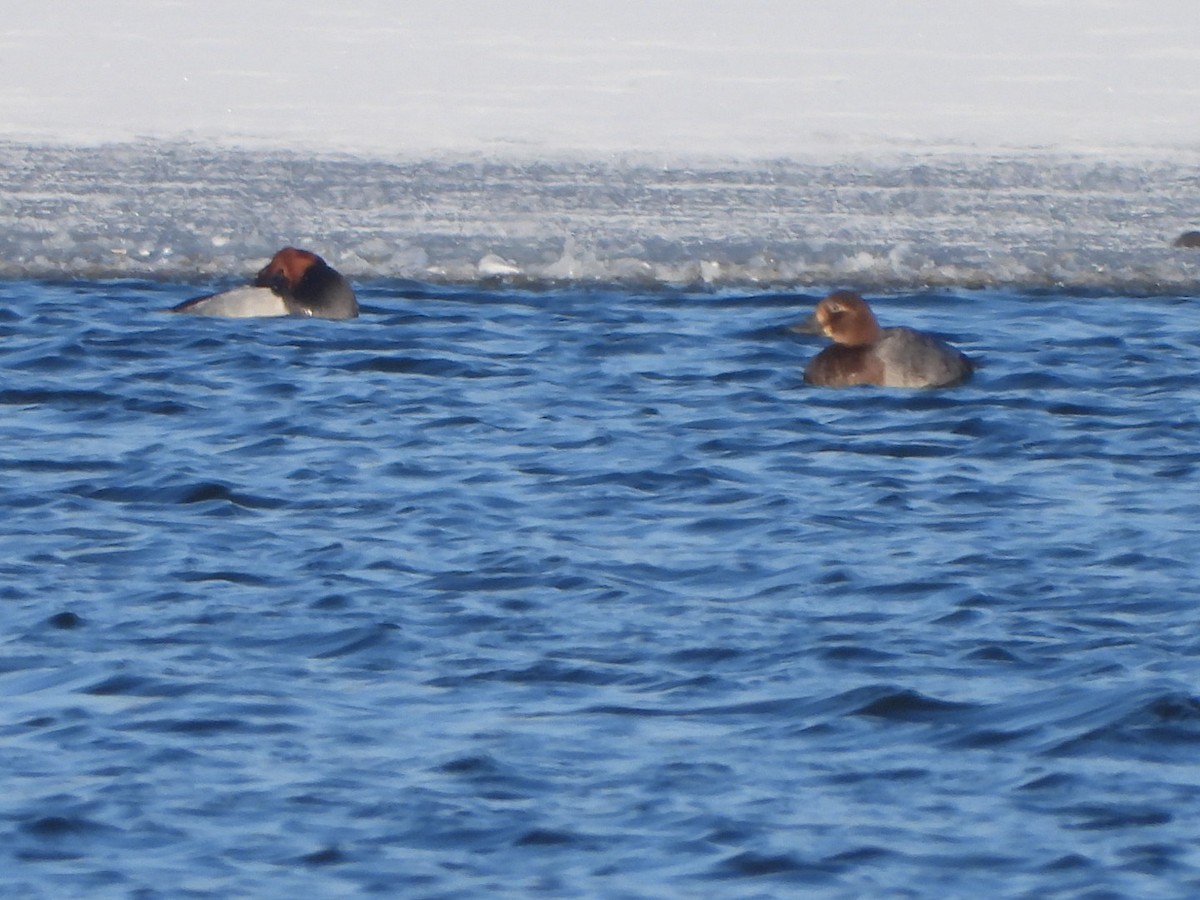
(183, 212)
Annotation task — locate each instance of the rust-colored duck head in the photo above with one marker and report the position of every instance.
(308, 285)
(845, 318)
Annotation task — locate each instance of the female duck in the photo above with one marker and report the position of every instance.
(864, 353)
(294, 283)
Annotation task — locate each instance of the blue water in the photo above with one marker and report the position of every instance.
(583, 593)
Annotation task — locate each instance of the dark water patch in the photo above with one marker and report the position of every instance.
(546, 672)
(333, 602)
(1153, 728)
(51, 465)
(1055, 781)
(994, 654)
(65, 621)
(352, 642)
(58, 398)
(856, 857)
(703, 656)
(472, 766)
(158, 407)
(958, 618)
(649, 481)
(1070, 862)
(855, 655)
(1093, 817)
(202, 492)
(54, 827)
(910, 706)
(455, 422)
(432, 367)
(207, 728)
(543, 837)
(988, 738)
(782, 866)
(910, 774)
(126, 684)
(1153, 859)
(1023, 382)
(473, 582)
(326, 856)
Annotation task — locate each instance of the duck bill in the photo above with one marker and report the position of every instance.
(811, 325)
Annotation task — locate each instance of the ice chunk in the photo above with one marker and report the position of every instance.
(493, 265)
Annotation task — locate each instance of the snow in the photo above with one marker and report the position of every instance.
(877, 143)
(679, 77)
(179, 211)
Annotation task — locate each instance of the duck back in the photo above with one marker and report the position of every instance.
(914, 359)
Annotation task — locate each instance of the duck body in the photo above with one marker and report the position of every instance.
(865, 353)
(239, 303)
(294, 283)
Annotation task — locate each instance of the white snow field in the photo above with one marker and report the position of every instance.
(879, 142)
(756, 79)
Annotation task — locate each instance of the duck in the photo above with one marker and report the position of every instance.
(294, 283)
(865, 353)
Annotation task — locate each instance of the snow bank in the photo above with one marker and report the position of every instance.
(868, 142)
(536, 77)
(182, 212)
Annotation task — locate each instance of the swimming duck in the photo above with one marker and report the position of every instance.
(865, 353)
(294, 283)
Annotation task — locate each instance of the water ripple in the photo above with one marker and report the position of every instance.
(582, 592)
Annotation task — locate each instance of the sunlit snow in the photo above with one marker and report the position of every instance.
(879, 142)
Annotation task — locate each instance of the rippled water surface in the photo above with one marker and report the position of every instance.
(582, 592)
